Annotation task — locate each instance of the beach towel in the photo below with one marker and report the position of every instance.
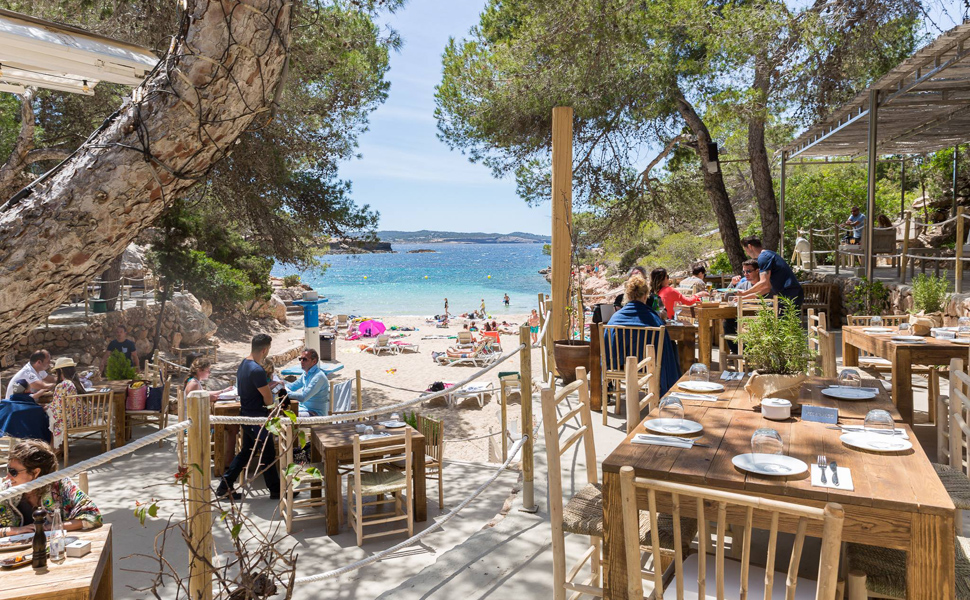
(343, 396)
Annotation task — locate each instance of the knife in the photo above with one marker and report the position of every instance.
(835, 473)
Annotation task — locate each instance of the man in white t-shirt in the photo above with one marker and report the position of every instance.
(696, 280)
(34, 372)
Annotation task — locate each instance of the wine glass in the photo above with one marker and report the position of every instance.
(880, 428)
(766, 442)
(395, 416)
(876, 321)
(850, 378)
(699, 372)
(672, 409)
(679, 308)
(963, 326)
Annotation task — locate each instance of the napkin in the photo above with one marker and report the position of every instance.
(845, 478)
(683, 396)
(662, 440)
(861, 429)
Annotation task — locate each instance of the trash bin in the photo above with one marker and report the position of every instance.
(99, 306)
(328, 346)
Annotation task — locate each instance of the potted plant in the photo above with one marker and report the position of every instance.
(930, 295)
(776, 345)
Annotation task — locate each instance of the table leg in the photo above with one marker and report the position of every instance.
(704, 339)
(685, 350)
(614, 584)
(331, 479)
(420, 483)
(930, 561)
(902, 377)
(118, 401)
(219, 450)
(850, 354)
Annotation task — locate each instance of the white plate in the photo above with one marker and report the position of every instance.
(961, 340)
(701, 386)
(770, 464)
(909, 338)
(673, 426)
(848, 393)
(18, 542)
(393, 424)
(876, 442)
(878, 330)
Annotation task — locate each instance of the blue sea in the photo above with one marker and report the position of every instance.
(417, 284)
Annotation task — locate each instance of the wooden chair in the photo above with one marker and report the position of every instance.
(635, 383)
(583, 513)
(296, 478)
(732, 578)
(151, 417)
(952, 439)
(822, 341)
(747, 309)
(620, 342)
(434, 447)
(380, 482)
(86, 415)
(818, 297)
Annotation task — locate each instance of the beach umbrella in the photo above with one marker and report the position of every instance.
(371, 328)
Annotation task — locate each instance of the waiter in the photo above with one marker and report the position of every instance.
(775, 276)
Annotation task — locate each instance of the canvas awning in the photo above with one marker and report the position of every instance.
(44, 54)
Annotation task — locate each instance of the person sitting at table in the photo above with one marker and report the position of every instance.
(122, 344)
(749, 276)
(255, 398)
(636, 313)
(67, 385)
(618, 301)
(775, 276)
(312, 389)
(35, 372)
(29, 460)
(20, 415)
(199, 371)
(696, 280)
(669, 295)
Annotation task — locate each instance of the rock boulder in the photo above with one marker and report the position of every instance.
(193, 324)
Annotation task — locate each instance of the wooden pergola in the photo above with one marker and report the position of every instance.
(45, 54)
(920, 106)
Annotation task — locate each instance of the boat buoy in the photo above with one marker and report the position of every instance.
(425, 276)
(489, 276)
(365, 276)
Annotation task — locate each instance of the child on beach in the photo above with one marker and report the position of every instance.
(534, 325)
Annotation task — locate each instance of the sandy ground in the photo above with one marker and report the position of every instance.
(392, 378)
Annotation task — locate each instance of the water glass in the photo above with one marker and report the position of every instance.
(850, 378)
(963, 326)
(699, 372)
(673, 409)
(880, 428)
(395, 416)
(876, 321)
(904, 328)
(767, 441)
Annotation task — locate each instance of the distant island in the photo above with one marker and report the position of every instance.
(455, 237)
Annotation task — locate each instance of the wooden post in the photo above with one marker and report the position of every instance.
(811, 249)
(580, 315)
(596, 367)
(542, 340)
(632, 393)
(902, 259)
(505, 419)
(360, 398)
(838, 241)
(525, 399)
(199, 509)
(562, 210)
(958, 273)
(548, 341)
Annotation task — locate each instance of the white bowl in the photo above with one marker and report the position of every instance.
(776, 409)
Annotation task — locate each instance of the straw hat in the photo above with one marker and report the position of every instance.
(62, 362)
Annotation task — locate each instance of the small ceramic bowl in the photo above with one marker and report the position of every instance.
(776, 409)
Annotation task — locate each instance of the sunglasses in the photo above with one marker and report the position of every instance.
(304, 359)
(13, 472)
(749, 270)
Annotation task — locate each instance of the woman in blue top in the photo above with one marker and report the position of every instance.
(636, 313)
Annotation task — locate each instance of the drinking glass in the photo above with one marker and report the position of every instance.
(699, 372)
(904, 328)
(963, 326)
(679, 308)
(673, 409)
(766, 442)
(395, 416)
(850, 378)
(876, 321)
(879, 426)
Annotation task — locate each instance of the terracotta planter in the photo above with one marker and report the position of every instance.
(570, 354)
(775, 386)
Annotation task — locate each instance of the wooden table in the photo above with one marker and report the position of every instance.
(706, 317)
(335, 445)
(902, 356)
(85, 578)
(684, 335)
(898, 501)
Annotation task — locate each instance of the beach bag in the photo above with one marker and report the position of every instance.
(436, 387)
(137, 396)
(154, 399)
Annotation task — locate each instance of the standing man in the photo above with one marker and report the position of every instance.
(775, 276)
(255, 398)
(506, 300)
(312, 389)
(856, 220)
(34, 373)
(122, 344)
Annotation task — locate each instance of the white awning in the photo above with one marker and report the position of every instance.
(44, 54)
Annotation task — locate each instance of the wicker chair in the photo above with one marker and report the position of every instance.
(87, 415)
(881, 573)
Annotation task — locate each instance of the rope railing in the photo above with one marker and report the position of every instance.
(542, 332)
(97, 461)
(930, 257)
(922, 224)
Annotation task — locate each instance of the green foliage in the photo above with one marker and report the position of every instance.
(776, 344)
(678, 251)
(867, 298)
(119, 368)
(720, 265)
(930, 293)
(547, 249)
(291, 280)
(411, 418)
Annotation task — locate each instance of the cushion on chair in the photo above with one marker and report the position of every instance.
(886, 569)
(956, 484)
(382, 482)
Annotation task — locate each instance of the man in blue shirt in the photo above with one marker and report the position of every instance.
(255, 398)
(776, 277)
(856, 220)
(312, 389)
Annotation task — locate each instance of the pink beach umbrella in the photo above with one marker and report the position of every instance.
(371, 328)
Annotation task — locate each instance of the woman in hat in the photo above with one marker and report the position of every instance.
(67, 385)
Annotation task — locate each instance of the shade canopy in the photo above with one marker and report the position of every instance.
(44, 54)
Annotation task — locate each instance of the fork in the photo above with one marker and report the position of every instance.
(822, 464)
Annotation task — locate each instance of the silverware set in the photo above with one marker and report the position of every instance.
(732, 375)
(823, 464)
(676, 440)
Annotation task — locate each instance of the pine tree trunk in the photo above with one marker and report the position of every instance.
(714, 185)
(764, 189)
(112, 288)
(225, 70)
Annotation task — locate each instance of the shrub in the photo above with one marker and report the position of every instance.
(678, 251)
(930, 293)
(776, 344)
(721, 265)
(867, 298)
(291, 280)
(119, 367)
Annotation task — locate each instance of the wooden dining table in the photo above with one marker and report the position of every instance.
(334, 444)
(897, 501)
(902, 355)
(685, 335)
(708, 315)
(85, 578)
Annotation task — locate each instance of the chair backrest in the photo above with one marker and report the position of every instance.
(957, 432)
(87, 410)
(493, 335)
(383, 340)
(464, 337)
(817, 293)
(635, 383)
(715, 505)
(620, 341)
(342, 397)
(383, 451)
(821, 340)
(887, 320)
(341, 319)
(434, 438)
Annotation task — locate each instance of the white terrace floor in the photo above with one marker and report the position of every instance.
(466, 560)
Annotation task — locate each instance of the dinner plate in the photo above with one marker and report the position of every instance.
(769, 464)
(701, 386)
(878, 330)
(848, 393)
(18, 542)
(373, 436)
(393, 424)
(673, 426)
(962, 340)
(13, 563)
(875, 442)
(909, 338)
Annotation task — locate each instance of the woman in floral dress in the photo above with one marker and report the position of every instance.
(67, 385)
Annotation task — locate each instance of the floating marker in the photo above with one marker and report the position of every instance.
(365, 276)
(425, 276)
(489, 276)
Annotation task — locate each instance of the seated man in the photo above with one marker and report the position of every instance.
(20, 415)
(122, 344)
(312, 389)
(856, 220)
(750, 277)
(34, 373)
(696, 280)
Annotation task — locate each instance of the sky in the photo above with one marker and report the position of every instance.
(407, 173)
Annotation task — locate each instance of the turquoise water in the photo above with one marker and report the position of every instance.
(417, 284)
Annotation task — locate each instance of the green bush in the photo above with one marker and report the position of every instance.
(776, 344)
(867, 298)
(930, 293)
(119, 367)
(721, 265)
(678, 251)
(291, 280)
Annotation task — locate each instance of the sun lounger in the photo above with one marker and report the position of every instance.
(402, 346)
(465, 339)
(472, 390)
(383, 344)
(481, 356)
